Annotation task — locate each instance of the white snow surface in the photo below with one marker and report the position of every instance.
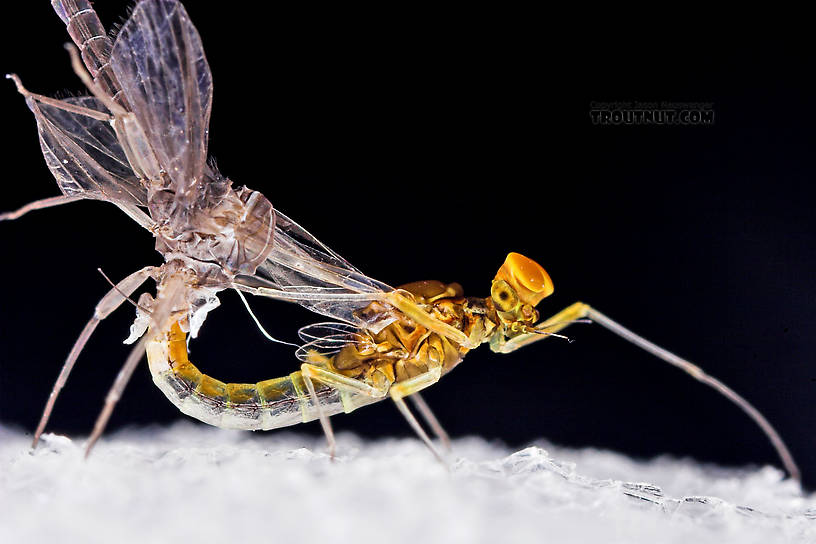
(190, 483)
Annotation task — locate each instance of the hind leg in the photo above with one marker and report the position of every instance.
(411, 387)
(431, 420)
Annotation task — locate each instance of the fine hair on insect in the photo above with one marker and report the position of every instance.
(139, 140)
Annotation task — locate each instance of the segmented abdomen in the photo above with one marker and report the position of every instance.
(264, 405)
(95, 46)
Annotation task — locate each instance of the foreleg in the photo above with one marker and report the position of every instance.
(579, 311)
(412, 386)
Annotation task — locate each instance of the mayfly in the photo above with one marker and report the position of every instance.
(139, 141)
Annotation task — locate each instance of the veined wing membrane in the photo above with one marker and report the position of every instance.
(302, 269)
(84, 154)
(160, 65)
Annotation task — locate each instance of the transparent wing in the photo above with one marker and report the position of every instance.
(302, 269)
(159, 63)
(329, 334)
(84, 154)
(327, 338)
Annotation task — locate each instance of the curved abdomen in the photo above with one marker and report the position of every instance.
(264, 405)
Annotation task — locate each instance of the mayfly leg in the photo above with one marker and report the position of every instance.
(325, 424)
(169, 295)
(82, 73)
(79, 69)
(413, 386)
(429, 417)
(132, 211)
(107, 305)
(341, 383)
(384, 386)
(64, 106)
(61, 104)
(115, 392)
(579, 310)
(379, 387)
(412, 421)
(39, 205)
(698, 374)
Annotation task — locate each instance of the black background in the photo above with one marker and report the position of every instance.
(427, 145)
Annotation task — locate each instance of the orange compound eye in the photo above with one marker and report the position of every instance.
(527, 277)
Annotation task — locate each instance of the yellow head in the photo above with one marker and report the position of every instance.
(520, 282)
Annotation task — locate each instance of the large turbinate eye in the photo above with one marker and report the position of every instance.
(526, 277)
(504, 297)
